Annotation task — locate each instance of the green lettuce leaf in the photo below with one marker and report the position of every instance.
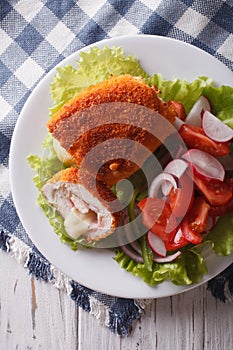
(222, 102)
(188, 268)
(180, 90)
(221, 236)
(47, 165)
(93, 67)
(221, 98)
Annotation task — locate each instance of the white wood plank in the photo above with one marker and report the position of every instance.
(144, 335)
(170, 323)
(218, 324)
(33, 314)
(92, 335)
(180, 318)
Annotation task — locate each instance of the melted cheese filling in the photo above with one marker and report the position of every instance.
(77, 223)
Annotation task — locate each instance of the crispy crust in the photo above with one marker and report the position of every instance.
(123, 88)
(79, 176)
(120, 108)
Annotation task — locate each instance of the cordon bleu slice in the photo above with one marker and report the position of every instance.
(103, 127)
(84, 204)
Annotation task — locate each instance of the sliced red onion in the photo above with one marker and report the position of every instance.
(167, 258)
(156, 244)
(136, 246)
(204, 164)
(215, 129)
(167, 180)
(195, 114)
(132, 254)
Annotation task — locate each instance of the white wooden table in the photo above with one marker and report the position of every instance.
(35, 315)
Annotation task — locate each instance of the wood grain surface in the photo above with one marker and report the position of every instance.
(35, 315)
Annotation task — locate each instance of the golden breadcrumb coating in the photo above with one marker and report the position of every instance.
(121, 108)
(123, 88)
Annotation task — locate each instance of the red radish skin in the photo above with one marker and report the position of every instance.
(205, 164)
(194, 117)
(156, 244)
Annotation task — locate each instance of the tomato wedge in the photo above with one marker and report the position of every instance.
(181, 199)
(178, 241)
(194, 137)
(216, 192)
(222, 209)
(195, 222)
(226, 208)
(178, 108)
(157, 217)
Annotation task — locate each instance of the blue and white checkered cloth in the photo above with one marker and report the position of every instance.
(37, 34)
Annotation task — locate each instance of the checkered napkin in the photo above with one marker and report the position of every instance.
(37, 34)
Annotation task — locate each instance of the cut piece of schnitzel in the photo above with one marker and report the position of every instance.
(84, 203)
(111, 128)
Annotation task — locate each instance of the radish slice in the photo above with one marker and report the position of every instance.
(168, 258)
(215, 129)
(194, 116)
(156, 244)
(177, 124)
(204, 164)
(176, 167)
(161, 179)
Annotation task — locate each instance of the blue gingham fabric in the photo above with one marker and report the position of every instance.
(37, 34)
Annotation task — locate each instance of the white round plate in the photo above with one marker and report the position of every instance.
(96, 269)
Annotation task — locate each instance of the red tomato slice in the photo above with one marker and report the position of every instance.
(195, 221)
(222, 209)
(178, 242)
(157, 217)
(216, 192)
(181, 199)
(178, 108)
(229, 182)
(194, 137)
(226, 208)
